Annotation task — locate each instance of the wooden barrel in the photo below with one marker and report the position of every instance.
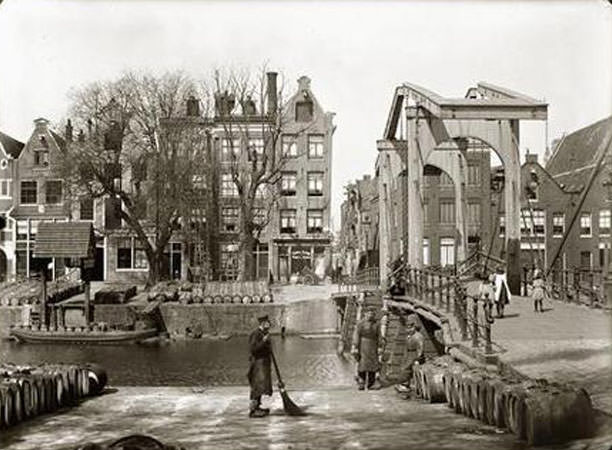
(456, 387)
(266, 298)
(59, 389)
(208, 299)
(473, 392)
(256, 298)
(227, 299)
(499, 412)
(515, 410)
(538, 423)
(97, 379)
(435, 384)
(6, 397)
(26, 397)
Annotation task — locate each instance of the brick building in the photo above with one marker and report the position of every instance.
(550, 201)
(358, 243)
(440, 231)
(294, 211)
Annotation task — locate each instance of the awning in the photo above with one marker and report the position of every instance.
(64, 240)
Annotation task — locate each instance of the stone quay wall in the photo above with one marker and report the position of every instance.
(300, 317)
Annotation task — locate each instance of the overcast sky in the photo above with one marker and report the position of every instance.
(355, 52)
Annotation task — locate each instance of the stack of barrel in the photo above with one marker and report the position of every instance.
(213, 292)
(28, 391)
(535, 410)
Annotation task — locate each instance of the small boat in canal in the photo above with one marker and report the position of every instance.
(40, 336)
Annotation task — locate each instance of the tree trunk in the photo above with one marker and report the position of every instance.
(246, 265)
(154, 260)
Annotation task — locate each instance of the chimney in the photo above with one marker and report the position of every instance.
(531, 158)
(193, 107)
(68, 131)
(272, 93)
(89, 127)
(81, 136)
(303, 83)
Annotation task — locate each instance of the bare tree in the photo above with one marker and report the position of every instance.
(248, 111)
(129, 155)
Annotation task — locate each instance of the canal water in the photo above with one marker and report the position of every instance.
(306, 363)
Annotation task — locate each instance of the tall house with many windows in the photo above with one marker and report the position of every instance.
(300, 233)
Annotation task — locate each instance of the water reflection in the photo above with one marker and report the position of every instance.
(304, 362)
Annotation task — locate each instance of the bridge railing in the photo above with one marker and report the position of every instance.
(364, 279)
(447, 294)
(578, 285)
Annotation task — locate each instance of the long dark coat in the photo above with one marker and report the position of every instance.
(260, 375)
(368, 335)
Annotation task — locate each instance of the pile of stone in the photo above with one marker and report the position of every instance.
(115, 294)
(212, 292)
(534, 410)
(29, 391)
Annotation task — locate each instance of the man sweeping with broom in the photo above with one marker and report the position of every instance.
(260, 375)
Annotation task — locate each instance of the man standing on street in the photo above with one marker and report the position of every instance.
(260, 376)
(366, 351)
(414, 343)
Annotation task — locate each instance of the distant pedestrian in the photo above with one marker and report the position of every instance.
(260, 375)
(486, 289)
(366, 351)
(538, 290)
(413, 355)
(502, 292)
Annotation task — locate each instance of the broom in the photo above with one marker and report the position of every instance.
(290, 408)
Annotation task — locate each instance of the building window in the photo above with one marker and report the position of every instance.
(315, 183)
(29, 192)
(228, 187)
(315, 146)
(585, 225)
(260, 216)
(230, 149)
(5, 188)
(474, 213)
(131, 254)
(287, 219)
(447, 252)
(604, 222)
(229, 261)
(289, 144)
(256, 145)
(447, 212)
(558, 225)
(86, 209)
(261, 191)
(502, 226)
(41, 158)
(53, 191)
(473, 174)
(304, 111)
(288, 181)
(604, 250)
(229, 218)
(539, 221)
(586, 260)
(425, 212)
(426, 252)
(315, 221)
(446, 180)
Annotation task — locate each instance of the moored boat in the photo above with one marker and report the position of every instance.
(42, 336)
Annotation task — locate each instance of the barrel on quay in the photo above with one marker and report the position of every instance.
(29, 391)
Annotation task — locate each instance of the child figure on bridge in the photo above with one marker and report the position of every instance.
(538, 292)
(502, 292)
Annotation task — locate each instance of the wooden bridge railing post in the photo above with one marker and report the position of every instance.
(448, 293)
(475, 322)
(525, 282)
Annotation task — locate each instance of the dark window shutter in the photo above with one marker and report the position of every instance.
(112, 219)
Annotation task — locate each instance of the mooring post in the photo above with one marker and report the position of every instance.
(525, 269)
(475, 322)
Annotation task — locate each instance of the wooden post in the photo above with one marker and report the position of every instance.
(448, 293)
(87, 303)
(43, 300)
(475, 322)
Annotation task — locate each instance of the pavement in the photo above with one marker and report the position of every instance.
(290, 293)
(566, 343)
(216, 418)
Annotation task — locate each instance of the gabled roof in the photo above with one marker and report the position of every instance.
(579, 149)
(61, 142)
(12, 147)
(64, 240)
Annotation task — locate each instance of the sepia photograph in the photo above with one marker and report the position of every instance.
(305, 224)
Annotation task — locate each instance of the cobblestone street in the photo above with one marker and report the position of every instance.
(567, 342)
(340, 418)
